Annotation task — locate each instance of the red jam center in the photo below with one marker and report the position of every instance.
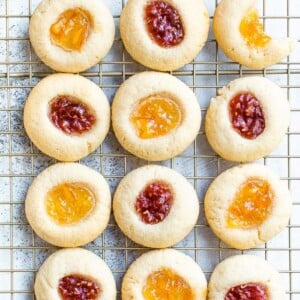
(70, 115)
(74, 287)
(247, 117)
(153, 204)
(248, 291)
(164, 24)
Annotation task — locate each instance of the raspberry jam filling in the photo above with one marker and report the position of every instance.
(70, 115)
(164, 24)
(74, 287)
(252, 30)
(69, 203)
(154, 202)
(71, 29)
(247, 291)
(155, 116)
(252, 204)
(246, 115)
(165, 284)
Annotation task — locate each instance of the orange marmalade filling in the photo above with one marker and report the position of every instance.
(164, 284)
(252, 204)
(155, 116)
(252, 30)
(68, 203)
(71, 29)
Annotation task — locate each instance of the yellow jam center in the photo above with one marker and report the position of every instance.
(155, 116)
(68, 203)
(71, 29)
(166, 285)
(252, 204)
(252, 30)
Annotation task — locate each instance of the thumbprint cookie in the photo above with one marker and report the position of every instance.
(66, 116)
(155, 116)
(248, 119)
(164, 274)
(71, 35)
(164, 34)
(76, 274)
(247, 205)
(155, 206)
(245, 277)
(241, 35)
(68, 204)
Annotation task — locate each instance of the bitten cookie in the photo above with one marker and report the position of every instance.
(155, 206)
(66, 116)
(247, 205)
(248, 119)
(167, 274)
(74, 274)
(240, 35)
(68, 204)
(71, 35)
(245, 277)
(164, 35)
(155, 116)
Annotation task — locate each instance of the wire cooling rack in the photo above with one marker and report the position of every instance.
(22, 252)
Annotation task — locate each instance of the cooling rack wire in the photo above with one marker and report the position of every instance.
(22, 252)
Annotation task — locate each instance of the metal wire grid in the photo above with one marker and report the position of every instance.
(22, 252)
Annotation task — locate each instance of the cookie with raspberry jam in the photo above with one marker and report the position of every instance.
(68, 204)
(71, 35)
(164, 274)
(247, 119)
(155, 206)
(245, 277)
(247, 205)
(75, 274)
(66, 116)
(155, 116)
(164, 35)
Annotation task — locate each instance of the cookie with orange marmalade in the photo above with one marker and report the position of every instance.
(71, 35)
(164, 35)
(247, 119)
(68, 204)
(240, 34)
(155, 206)
(66, 116)
(155, 116)
(164, 274)
(247, 206)
(245, 277)
(75, 274)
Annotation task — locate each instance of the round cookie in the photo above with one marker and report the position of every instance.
(240, 35)
(74, 274)
(248, 119)
(71, 35)
(160, 270)
(247, 205)
(245, 277)
(66, 116)
(68, 204)
(155, 206)
(155, 116)
(164, 34)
